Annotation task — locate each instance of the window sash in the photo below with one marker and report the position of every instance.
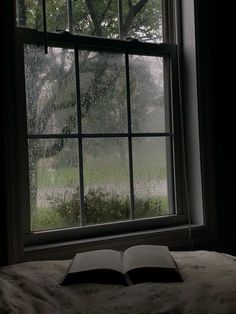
(66, 40)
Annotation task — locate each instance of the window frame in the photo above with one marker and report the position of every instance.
(203, 216)
(28, 36)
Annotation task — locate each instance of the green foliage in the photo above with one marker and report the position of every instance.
(46, 218)
(68, 210)
(151, 207)
(105, 21)
(95, 17)
(100, 207)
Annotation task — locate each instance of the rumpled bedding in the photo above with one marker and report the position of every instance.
(209, 287)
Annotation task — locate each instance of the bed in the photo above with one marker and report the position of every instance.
(209, 287)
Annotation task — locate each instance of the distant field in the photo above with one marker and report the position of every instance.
(70, 176)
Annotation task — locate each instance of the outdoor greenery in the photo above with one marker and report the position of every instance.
(142, 18)
(100, 207)
(69, 176)
(51, 98)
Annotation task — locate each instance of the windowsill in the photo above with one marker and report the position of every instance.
(175, 237)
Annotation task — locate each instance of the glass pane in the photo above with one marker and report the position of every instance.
(147, 94)
(106, 177)
(150, 177)
(54, 183)
(29, 14)
(143, 20)
(140, 19)
(57, 17)
(96, 18)
(103, 92)
(50, 90)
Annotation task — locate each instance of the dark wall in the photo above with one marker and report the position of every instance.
(216, 58)
(222, 64)
(7, 118)
(3, 104)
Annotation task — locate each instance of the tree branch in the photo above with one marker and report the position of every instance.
(59, 143)
(133, 11)
(130, 4)
(105, 11)
(139, 6)
(94, 17)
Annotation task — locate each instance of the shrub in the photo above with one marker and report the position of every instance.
(100, 207)
(46, 218)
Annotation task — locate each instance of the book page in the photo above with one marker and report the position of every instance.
(94, 260)
(142, 256)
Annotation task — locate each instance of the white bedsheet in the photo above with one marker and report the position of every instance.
(209, 287)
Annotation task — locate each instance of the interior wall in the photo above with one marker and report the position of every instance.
(222, 63)
(3, 246)
(7, 124)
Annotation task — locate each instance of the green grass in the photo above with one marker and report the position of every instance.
(100, 207)
(61, 177)
(70, 176)
(46, 218)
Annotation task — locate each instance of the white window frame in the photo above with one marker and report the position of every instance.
(201, 218)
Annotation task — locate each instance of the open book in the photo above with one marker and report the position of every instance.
(136, 264)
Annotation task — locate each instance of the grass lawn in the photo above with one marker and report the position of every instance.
(106, 173)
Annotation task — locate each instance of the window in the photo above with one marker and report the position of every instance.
(101, 118)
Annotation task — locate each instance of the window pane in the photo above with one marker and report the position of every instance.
(143, 20)
(103, 92)
(106, 177)
(54, 183)
(140, 19)
(30, 14)
(147, 94)
(96, 18)
(50, 90)
(150, 177)
(57, 17)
